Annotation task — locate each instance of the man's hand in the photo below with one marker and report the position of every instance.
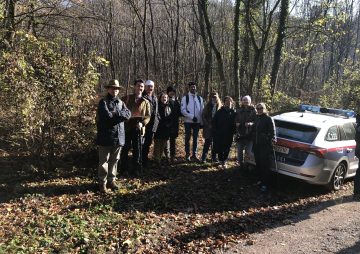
(194, 119)
(139, 125)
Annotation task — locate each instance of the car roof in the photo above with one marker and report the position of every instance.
(313, 119)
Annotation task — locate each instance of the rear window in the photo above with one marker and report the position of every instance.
(295, 131)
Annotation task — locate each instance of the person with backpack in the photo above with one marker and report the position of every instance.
(150, 96)
(135, 128)
(223, 128)
(111, 114)
(211, 107)
(245, 117)
(175, 115)
(162, 134)
(192, 106)
(357, 154)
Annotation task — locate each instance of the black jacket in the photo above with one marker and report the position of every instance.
(244, 115)
(175, 115)
(263, 131)
(164, 127)
(110, 126)
(357, 137)
(154, 105)
(223, 128)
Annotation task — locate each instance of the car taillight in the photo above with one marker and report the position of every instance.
(319, 152)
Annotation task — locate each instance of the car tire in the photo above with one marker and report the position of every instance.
(337, 180)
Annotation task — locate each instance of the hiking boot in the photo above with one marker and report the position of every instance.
(102, 188)
(188, 158)
(113, 186)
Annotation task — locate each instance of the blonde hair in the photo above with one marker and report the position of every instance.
(215, 94)
(262, 104)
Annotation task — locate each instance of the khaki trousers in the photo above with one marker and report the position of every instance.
(159, 147)
(108, 159)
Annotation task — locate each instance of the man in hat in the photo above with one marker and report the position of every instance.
(174, 131)
(134, 128)
(192, 106)
(357, 154)
(151, 128)
(111, 114)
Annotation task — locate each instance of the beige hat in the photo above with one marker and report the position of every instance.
(113, 83)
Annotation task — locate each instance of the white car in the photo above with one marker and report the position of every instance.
(316, 145)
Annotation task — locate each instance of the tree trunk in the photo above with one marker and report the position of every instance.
(220, 65)
(279, 44)
(207, 50)
(236, 51)
(9, 23)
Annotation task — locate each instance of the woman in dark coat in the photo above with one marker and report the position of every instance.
(175, 115)
(223, 130)
(163, 131)
(263, 137)
(213, 105)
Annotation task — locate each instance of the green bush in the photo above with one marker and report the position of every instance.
(49, 97)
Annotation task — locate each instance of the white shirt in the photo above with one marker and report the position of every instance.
(193, 109)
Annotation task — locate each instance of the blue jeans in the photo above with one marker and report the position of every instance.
(194, 127)
(357, 181)
(241, 146)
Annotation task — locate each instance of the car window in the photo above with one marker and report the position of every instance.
(349, 131)
(342, 135)
(332, 134)
(295, 131)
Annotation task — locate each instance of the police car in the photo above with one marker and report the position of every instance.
(316, 145)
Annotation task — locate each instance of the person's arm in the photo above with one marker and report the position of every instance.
(147, 112)
(184, 111)
(124, 113)
(272, 129)
(105, 116)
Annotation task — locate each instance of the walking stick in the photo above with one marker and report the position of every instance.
(140, 149)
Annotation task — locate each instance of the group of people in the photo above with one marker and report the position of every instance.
(135, 121)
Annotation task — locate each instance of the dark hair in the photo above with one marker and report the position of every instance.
(192, 83)
(170, 89)
(138, 81)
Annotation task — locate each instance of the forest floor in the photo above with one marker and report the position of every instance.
(179, 208)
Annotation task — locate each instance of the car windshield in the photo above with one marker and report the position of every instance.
(295, 131)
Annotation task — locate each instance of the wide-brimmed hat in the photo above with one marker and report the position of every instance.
(113, 83)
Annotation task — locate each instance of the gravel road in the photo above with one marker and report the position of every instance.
(330, 227)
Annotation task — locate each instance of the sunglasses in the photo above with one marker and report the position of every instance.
(259, 108)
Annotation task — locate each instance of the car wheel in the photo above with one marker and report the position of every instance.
(338, 177)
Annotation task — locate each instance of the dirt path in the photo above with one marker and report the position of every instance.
(333, 227)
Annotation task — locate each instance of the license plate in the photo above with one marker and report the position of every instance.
(281, 149)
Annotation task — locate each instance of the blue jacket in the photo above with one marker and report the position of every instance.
(111, 113)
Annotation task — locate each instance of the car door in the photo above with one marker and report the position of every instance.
(335, 145)
(349, 142)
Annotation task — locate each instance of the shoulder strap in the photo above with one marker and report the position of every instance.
(198, 96)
